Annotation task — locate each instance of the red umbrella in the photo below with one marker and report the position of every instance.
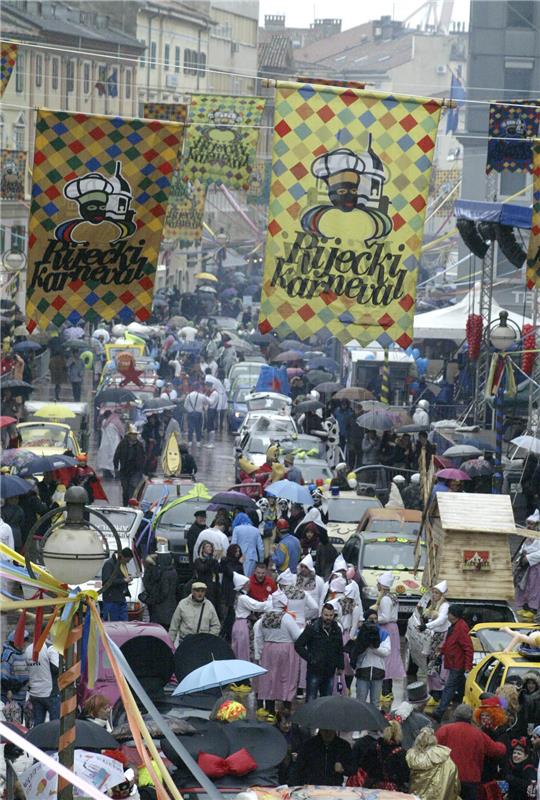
(5, 421)
(453, 475)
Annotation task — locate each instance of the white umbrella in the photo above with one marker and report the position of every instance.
(218, 673)
(530, 443)
(462, 451)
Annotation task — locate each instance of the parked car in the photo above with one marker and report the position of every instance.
(269, 401)
(376, 478)
(48, 438)
(237, 408)
(485, 617)
(494, 671)
(344, 516)
(374, 553)
(172, 523)
(161, 490)
(247, 371)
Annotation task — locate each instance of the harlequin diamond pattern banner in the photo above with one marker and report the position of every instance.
(511, 128)
(222, 137)
(185, 213)
(8, 57)
(173, 112)
(331, 82)
(100, 187)
(533, 255)
(350, 177)
(12, 169)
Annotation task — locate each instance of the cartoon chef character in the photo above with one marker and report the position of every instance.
(353, 180)
(91, 193)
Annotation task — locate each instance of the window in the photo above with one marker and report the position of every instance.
(102, 73)
(86, 77)
(153, 55)
(39, 71)
(166, 57)
(177, 59)
(2, 240)
(19, 73)
(484, 673)
(128, 84)
(54, 74)
(142, 57)
(70, 76)
(496, 677)
(202, 64)
(190, 62)
(2, 130)
(518, 76)
(520, 14)
(18, 238)
(18, 133)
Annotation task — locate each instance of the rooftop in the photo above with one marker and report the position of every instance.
(277, 53)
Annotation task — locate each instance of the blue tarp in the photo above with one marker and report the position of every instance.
(504, 213)
(273, 379)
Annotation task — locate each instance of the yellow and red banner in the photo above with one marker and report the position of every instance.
(99, 194)
(350, 179)
(222, 137)
(173, 112)
(533, 255)
(8, 58)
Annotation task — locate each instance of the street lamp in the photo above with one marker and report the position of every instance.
(73, 551)
(501, 334)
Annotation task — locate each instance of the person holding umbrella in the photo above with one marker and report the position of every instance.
(75, 371)
(324, 760)
(58, 370)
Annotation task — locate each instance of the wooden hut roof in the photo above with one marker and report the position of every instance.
(485, 513)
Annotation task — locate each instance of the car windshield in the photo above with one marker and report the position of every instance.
(261, 443)
(269, 403)
(122, 520)
(494, 640)
(313, 471)
(392, 526)
(344, 510)
(274, 425)
(303, 447)
(180, 514)
(155, 492)
(240, 395)
(390, 554)
(43, 436)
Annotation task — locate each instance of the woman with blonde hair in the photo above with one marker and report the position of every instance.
(433, 774)
(98, 709)
(389, 769)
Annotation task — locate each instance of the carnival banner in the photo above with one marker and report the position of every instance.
(221, 141)
(533, 255)
(512, 125)
(100, 188)
(185, 213)
(12, 169)
(350, 177)
(172, 112)
(331, 82)
(8, 57)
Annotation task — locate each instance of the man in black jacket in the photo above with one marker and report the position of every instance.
(115, 574)
(323, 760)
(321, 645)
(129, 458)
(194, 530)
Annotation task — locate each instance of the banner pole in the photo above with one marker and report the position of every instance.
(385, 384)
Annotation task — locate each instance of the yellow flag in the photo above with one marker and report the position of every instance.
(350, 178)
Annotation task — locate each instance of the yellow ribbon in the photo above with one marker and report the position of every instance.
(45, 576)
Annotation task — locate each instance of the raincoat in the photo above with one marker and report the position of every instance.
(433, 774)
(249, 539)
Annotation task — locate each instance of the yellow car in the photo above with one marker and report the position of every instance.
(495, 670)
(48, 438)
(488, 637)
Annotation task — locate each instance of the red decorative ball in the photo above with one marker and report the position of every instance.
(475, 324)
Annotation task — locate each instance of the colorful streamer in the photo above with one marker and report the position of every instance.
(512, 125)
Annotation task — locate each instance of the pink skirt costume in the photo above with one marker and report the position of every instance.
(394, 668)
(240, 639)
(282, 662)
(529, 593)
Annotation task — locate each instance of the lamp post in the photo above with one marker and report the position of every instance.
(501, 335)
(73, 551)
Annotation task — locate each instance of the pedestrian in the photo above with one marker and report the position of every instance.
(411, 494)
(371, 448)
(345, 417)
(435, 623)
(129, 459)
(206, 570)
(310, 582)
(248, 537)
(469, 746)
(293, 473)
(6, 537)
(387, 607)
(14, 676)
(388, 768)
(195, 404)
(12, 514)
(189, 465)
(274, 637)
(368, 651)
(116, 580)
(159, 582)
(216, 536)
(433, 774)
(457, 651)
(43, 683)
(395, 500)
(286, 553)
(535, 743)
(527, 572)
(261, 585)
(324, 760)
(325, 555)
(321, 645)
(521, 771)
(58, 371)
(194, 614)
(212, 415)
(244, 606)
(112, 431)
(227, 567)
(75, 372)
(421, 414)
(97, 709)
(194, 530)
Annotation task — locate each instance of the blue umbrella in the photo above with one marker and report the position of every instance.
(12, 486)
(25, 347)
(218, 673)
(289, 490)
(40, 464)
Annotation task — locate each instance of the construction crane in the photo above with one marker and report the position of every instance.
(436, 16)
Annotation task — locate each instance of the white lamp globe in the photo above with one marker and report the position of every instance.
(502, 336)
(74, 555)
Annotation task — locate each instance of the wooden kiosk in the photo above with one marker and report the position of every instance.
(467, 545)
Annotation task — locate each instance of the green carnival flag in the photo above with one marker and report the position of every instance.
(221, 140)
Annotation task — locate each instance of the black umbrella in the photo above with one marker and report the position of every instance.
(152, 661)
(328, 387)
(231, 500)
(114, 395)
(477, 468)
(266, 744)
(199, 649)
(338, 713)
(209, 737)
(309, 405)
(292, 344)
(157, 404)
(88, 736)
(26, 347)
(316, 376)
(260, 339)
(11, 383)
